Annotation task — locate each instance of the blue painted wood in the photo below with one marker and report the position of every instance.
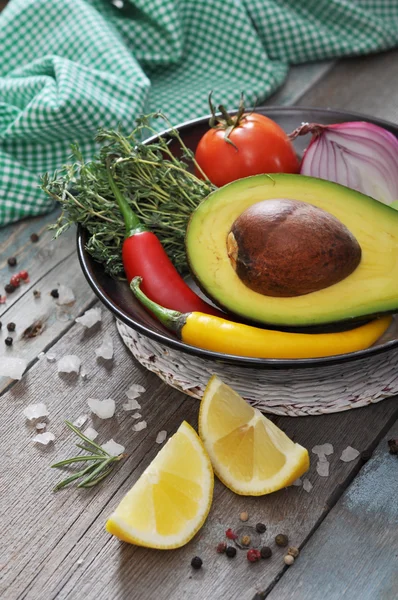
(353, 554)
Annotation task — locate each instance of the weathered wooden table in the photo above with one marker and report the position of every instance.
(53, 545)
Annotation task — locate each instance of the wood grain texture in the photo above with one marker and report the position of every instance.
(50, 263)
(45, 535)
(353, 554)
(301, 78)
(55, 546)
(368, 84)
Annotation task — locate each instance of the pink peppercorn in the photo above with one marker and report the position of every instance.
(253, 555)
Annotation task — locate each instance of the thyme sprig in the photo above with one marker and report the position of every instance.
(101, 461)
(159, 186)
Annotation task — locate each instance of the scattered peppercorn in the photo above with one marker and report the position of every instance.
(265, 552)
(221, 547)
(245, 541)
(54, 293)
(36, 293)
(15, 280)
(11, 326)
(34, 238)
(231, 535)
(24, 275)
(253, 555)
(281, 540)
(261, 528)
(230, 551)
(9, 288)
(12, 261)
(196, 562)
(1, 324)
(8, 341)
(289, 559)
(244, 516)
(293, 551)
(393, 446)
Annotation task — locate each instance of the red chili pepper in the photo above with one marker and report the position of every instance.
(144, 255)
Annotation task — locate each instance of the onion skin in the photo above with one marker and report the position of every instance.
(357, 154)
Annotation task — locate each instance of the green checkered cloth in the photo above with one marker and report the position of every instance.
(69, 67)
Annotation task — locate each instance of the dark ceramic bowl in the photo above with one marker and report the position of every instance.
(117, 296)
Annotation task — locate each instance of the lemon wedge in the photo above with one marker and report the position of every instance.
(250, 454)
(171, 500)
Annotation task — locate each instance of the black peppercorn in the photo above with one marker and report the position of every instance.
(34, 238)
(393, 446)
(265, 552)
(281, 540)
(12, 261)
(196, 562)
(11, 326)
(54, 293)
(260, 528)
(230, 551)
(8, 341)
(9, 288)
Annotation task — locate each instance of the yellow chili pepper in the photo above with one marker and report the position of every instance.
(220, 335)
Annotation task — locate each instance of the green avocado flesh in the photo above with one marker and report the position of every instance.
(371, 289)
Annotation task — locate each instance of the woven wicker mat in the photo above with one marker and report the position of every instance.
(293, 392)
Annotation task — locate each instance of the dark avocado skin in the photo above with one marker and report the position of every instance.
(382, 225)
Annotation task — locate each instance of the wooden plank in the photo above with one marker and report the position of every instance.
(50, 263)
(367, 84)
(45, 535)
(36, 258)
(353, 553)
(301, 79)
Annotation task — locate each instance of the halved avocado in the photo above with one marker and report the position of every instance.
(368, 288)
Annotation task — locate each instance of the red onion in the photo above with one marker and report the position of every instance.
(357, 154)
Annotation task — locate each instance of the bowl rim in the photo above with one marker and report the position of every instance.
(236, 360)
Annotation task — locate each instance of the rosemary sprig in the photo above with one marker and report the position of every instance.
(101, 461)
(159, 186)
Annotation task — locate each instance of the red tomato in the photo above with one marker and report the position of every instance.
(258, 146)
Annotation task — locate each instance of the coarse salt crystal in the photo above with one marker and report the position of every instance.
(298, 482)
(137, 415)
(40, 426)
(113, 448)
(41, 355)
(51, 357)
(80, 421)
(44, 438)
(91, 433)
(322, 468)
(83, 373)
(104, 409)
(307, 485)
(131, 405)
(161, 436)
(106, 349)
(69, 364)
(90, 317)
(140, 426)
(325, 449)
(134, 391)
(349, 454)
(36, 411)
(12, 367)
(65, 295)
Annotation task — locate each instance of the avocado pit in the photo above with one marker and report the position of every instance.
(288, 248)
